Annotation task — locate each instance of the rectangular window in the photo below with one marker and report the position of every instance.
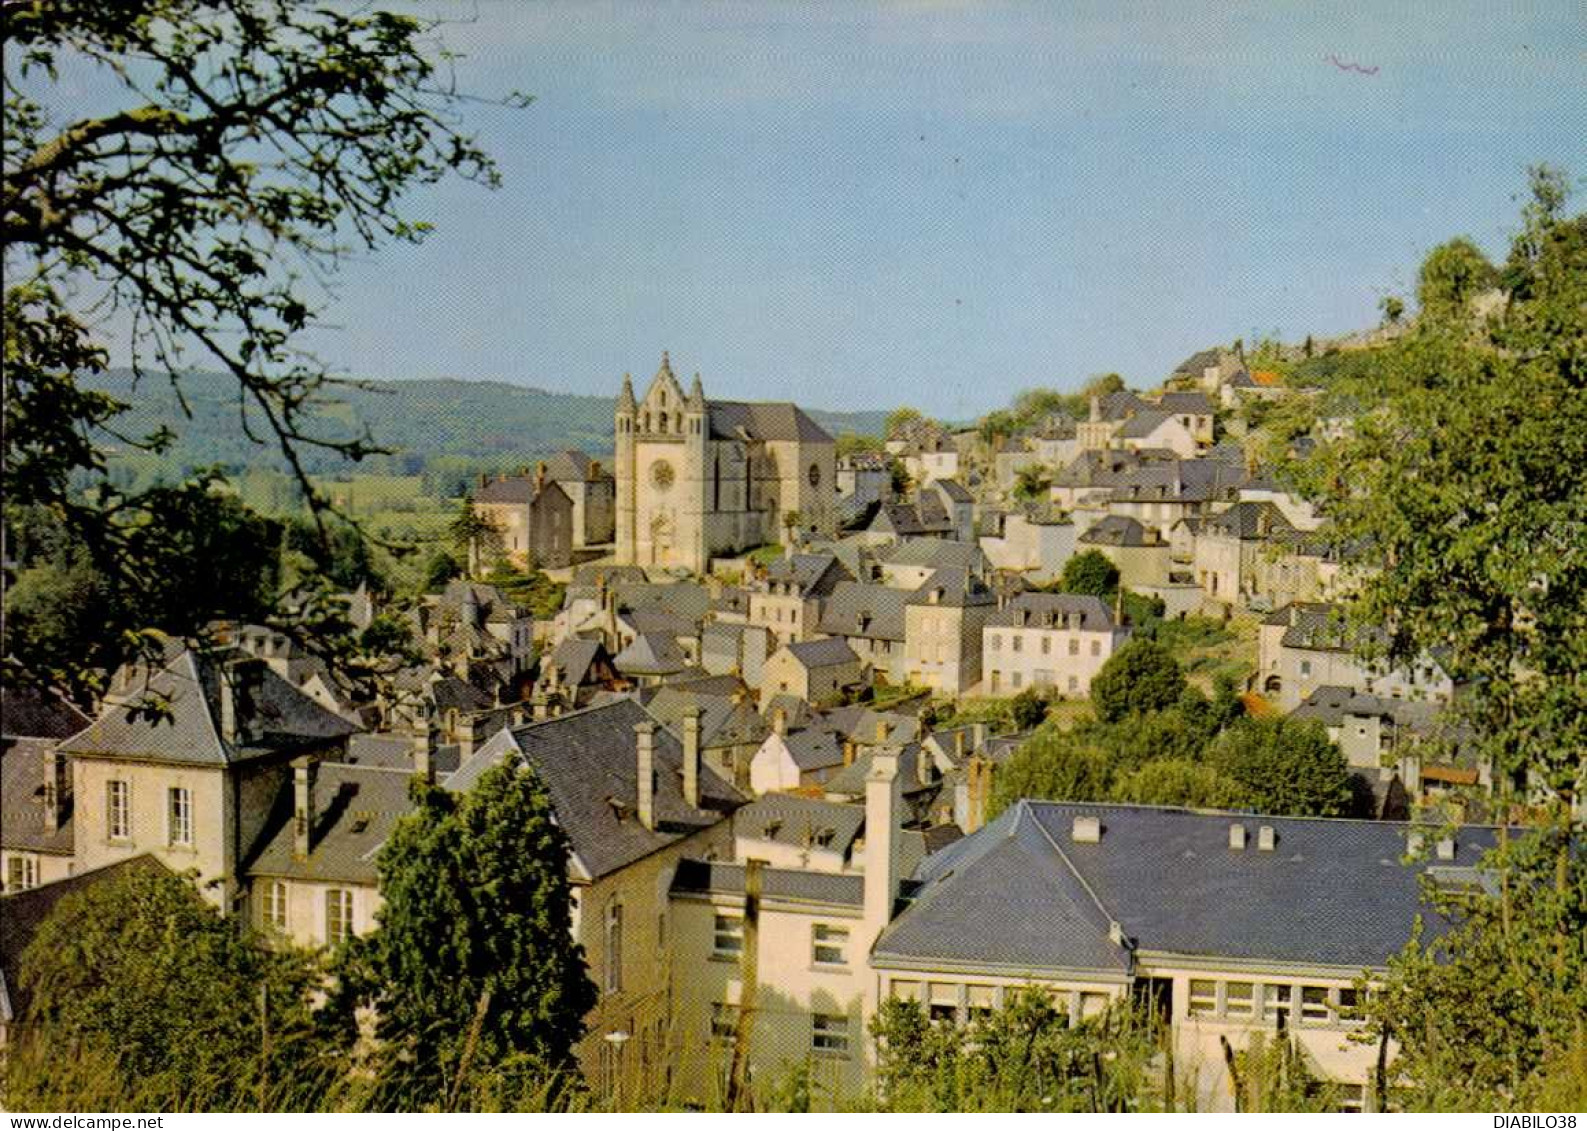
(275, 905)
(829, 945)
(1074, 683)
(829, 1034)
(981, 1000)
(1348, 1001)
(728, 938)
(1093, 1005)
(997, 642)
(179, 816)
(1314, 1004)
(118, 810)
(944, 1005)
(1305, 667)
(614, 947)
(1046, 645)
(1203, 997)
(905, 990)
(1074, 647)
(1239, 999)
(1277, 1005)
(21, 873)
(338, 915)
(1350, 1097)
(1096, 647)
(1016, 679)
(1016, 643)
(724, 1021)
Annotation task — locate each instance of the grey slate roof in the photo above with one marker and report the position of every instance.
(1118, 530)
(1189, 404)
(934, 553)
(786, 818)
(278, 717)
(850, 780)
(1248, 521)
(1117, 406)
(355, 810)
(27, 712)
(723, 722)
(805, 572)
(952, 588)
(574, 467)
(651, 655)
(763, 420)
(814, 748)
(1143, 424)
(395, 752)
(1332, 892)
(22, 799)
(954, 490)
(588, 762)
(829, 652)
(829, 889)
(572, 659)
(1331, 705)
(1052, 610)
(860, 609)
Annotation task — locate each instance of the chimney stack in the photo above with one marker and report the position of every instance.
(1237, 837)
(228, 704)
(779, 722)
(1087, 830)
(691, 757)
(303, 774)
(465, 737)
(881, 731)
(848, 752)
(1265, 838)
(645, 772)
(424, 751)
(884, 796)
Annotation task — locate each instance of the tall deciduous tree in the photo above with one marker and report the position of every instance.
(244, 149)
(472, 967)
(1141, 676)
(1090, 573)
(1284, 767)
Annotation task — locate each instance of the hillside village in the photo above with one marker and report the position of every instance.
(774, 709)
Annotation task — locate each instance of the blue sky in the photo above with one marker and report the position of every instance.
(939, 203)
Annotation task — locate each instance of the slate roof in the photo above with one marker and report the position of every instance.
(29, 712)
(850, 780)
(572, 658)
(814, 748)
(22, 799)
(722, 721)
(1143, 424)
(1332, 705)
(934, 553)
(355, 809)
(588, 762)
(828, 889)
(277, 716)
(1332, 893)
(395, 752)
(1197, 362)
(954, 588)
(829, 652)
(1118, 530)
(763, 420)
(651, 655)
(1320, 627)
(803, 571)
(860, 609)
(1187, 404)
(516, 489)
(954, 490)
(23, 912)
(1249, 521)
(1117, 406)
(1052, 610)
(787, 818)
(859, 722)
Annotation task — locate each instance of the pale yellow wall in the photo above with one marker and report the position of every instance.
(211, 853)
(1068, 674)
(46, 866)
(305, 925)
(942, 645)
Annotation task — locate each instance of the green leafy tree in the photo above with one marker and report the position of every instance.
(471, 968)
(1285, 767)
(900, 420)
(1452, 276)
(1141, 676)
(853, 444)
(1027, 709)
(899, 481)
(143, 996)
(1102, 385)
(440, 569)
(1488, 1014)
(1090, 574)
(1031, 482)
(247, 147)
(476, 538)
(1178, 781)
(996, 427)
(1053, 764)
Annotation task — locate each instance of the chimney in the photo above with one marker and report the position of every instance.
(1445, 849)
(978, 735)
(540, 703)
(595, 469)
(1237, 837)
(958, 744)
(1087, 830)
(55, 789)
(1096, 409)
(779, 722)
(884, 795)
(303, 773)
(1265, 838)
(465, 737)
(540, 476)
(228, 704)
(881, 731)
(691, 757)
(848, 752)
(645, 772)
(424, 752)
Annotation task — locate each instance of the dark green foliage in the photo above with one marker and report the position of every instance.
(1178, 781)
(1141, 676)
(1028, 709)
(440, 569)
(1032, 482)
(144, 997)
(1090, 574)
(1493, 1016)
(533, 591)
(1452, 275)
(476, 921)
(1285, 767)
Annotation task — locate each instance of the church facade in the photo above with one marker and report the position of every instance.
(697, 479)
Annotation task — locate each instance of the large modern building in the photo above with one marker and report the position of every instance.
(698, 479)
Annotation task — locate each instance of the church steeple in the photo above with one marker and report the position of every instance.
(666, 367)
(696, 401)
(625, 399)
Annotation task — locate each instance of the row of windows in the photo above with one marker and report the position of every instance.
(1042, 677)
(829, 943)
(178, 813)
(1016, 644)
(337, 911)
(1279, 1003)
(831, 1034)
(958, 1003)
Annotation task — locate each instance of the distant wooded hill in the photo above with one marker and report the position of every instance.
(490, 423)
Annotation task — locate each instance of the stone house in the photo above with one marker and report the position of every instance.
(817, 671)
(1035, 542)
(1139, 552)
(943, 620)
(1302, 647)
(533, 518)
(787, 600)
(1048, 641)
(871, 619)
(1230, 546)
(35, 787)
(593, 492)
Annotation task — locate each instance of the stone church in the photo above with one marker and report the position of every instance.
(698, 479)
